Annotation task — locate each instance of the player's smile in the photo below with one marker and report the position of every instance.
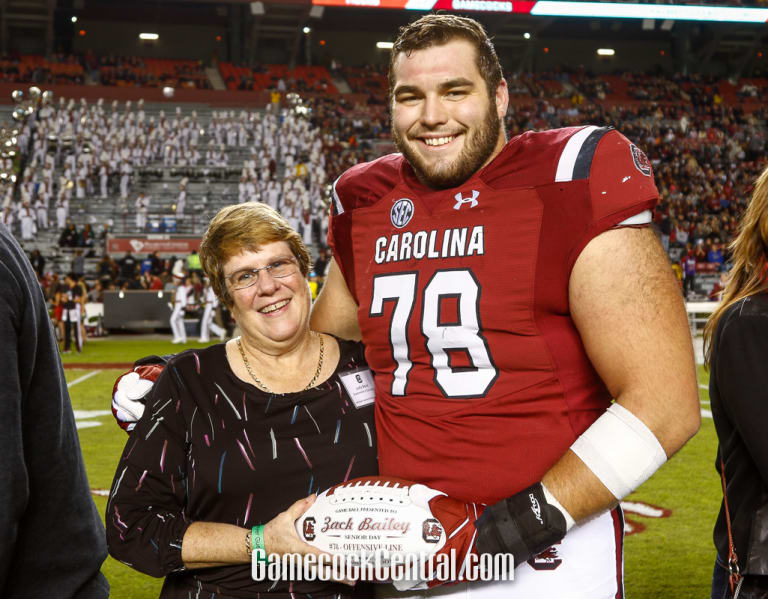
(438, 142)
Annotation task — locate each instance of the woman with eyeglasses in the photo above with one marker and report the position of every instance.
(236, 437)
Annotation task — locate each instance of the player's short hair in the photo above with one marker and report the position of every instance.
(245, 227)
(439, 29)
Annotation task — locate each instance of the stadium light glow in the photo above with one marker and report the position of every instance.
(606, 51)
(384, 45)
(560, 8)
(148, 36)
(527, 35)
(306, 30)
(74, 19)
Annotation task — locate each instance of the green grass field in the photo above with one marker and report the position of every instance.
(671, 558)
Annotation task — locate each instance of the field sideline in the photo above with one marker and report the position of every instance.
(671, 557)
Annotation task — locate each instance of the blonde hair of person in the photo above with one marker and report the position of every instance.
(245, 227)
(749, 257)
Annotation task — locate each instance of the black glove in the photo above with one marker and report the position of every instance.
(523, 525)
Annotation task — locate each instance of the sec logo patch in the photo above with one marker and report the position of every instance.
(401, 213)
(640, 160)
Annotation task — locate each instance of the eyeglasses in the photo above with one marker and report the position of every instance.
(282, 267)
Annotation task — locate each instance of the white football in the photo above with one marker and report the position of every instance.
(373, 514)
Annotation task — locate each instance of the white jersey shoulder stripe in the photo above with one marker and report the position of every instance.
(567, 162)
(336, 199)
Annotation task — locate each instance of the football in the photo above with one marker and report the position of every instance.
(374, 515)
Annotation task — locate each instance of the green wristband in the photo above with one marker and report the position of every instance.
(259, 552)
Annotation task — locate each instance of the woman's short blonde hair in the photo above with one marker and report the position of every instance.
(245, 227)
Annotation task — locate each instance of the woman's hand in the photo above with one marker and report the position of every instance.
(280, 536)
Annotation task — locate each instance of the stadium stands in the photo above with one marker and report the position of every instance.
(705, 138)
(299, 79)
(36, 69)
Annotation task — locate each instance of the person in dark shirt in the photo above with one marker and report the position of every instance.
(106, 267)
(736, 349)
(135, 283)
(69, 236)
(51, 538)
(157, 264)
(688, 265)
(71, 295)
(128, 266)
(38, 262)
(321, 263)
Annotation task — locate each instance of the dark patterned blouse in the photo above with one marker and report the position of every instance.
(213, 448)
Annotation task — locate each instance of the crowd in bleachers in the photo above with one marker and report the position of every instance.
(368, 79)
(60, 68)
(149, 72)
(300, 79)
(705, 149)
(126, 71)
(705, 162)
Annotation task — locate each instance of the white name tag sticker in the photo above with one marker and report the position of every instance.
(359, 386)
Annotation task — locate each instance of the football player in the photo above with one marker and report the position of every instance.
(529, 341)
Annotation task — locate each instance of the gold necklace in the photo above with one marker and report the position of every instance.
(262, 385)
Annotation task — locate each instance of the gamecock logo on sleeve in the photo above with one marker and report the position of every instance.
(309, 529)
(432, 530)
(640, 160)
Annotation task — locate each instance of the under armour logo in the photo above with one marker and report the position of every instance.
(460, 201)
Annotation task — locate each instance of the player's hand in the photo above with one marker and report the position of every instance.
(523, 525)
(130, 392)
(457, 519)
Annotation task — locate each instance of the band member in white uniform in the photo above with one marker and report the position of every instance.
(103, 178)
(28, 225)
(41, 211)
(179, 303)
(182, 199)
(62, 210)
(142, 207)
(206, 322)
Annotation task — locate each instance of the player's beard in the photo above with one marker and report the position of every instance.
(478, 147)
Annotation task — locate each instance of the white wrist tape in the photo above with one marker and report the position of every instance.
(552, 500)
(620, 450)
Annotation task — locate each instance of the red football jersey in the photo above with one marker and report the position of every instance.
(482, 382)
